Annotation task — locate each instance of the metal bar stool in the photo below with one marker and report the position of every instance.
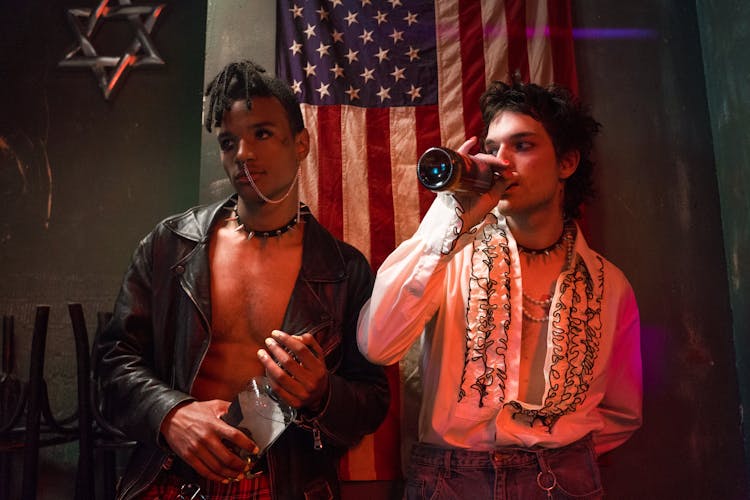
(12, 403)
(95, 431)
(41, 428)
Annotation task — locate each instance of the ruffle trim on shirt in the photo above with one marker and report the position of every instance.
(576, 335)
(576, 331)
(487, 319)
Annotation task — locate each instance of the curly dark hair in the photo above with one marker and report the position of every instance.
(245, 80)
(565, 119)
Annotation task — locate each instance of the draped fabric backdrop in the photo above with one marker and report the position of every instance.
(382, 81)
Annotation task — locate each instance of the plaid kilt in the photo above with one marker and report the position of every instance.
(168, 486)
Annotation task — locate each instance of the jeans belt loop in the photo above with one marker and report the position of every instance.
(447, 459)
(546, 479)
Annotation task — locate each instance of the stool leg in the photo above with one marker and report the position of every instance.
(85, 473)
(7, 363)
(36, 381)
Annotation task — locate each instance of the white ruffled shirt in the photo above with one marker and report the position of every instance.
(460, 293)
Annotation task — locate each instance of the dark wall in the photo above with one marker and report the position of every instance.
(84, 179)
(725, 36)
(658, 218)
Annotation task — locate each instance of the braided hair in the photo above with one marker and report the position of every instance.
(245, 80)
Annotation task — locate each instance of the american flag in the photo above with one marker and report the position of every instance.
(382, 81)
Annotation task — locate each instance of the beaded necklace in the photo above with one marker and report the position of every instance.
(568, 238)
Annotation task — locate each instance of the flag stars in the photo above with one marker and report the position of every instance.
(366, 36)
(415, 93)
(352, 56)
(381, 18)
(384, 93)
(322, 50)
(382, 55)
(352, 93)
(323, 90)
(367, 74)
(379, 49)
(322, 13)
(296, 11)
(398, 36)
(296, 48)
(410, 18)
(338, 71)
(351, 18)
(413, 53)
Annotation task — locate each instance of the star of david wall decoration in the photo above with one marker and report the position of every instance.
(107, 69)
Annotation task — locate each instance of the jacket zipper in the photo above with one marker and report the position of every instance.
(317, 441)
(195, 369)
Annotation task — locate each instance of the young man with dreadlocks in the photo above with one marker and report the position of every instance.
(249, 286)
(529, 351)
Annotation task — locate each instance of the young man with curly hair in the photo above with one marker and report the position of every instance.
(529, 339)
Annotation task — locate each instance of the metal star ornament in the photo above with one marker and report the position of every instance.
(109, 70)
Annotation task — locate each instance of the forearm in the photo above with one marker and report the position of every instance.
(139, 397)
(137, 390)
(410, 285)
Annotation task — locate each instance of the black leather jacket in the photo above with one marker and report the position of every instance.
(149, 354)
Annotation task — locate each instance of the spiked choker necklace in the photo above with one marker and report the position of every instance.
(542, 251)
(272, 233)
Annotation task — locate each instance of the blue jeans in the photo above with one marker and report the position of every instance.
(504, 474)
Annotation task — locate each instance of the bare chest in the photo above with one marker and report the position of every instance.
(251, 284)
(540, 274)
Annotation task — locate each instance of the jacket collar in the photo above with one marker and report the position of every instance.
(195, 224)
(322, 260)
